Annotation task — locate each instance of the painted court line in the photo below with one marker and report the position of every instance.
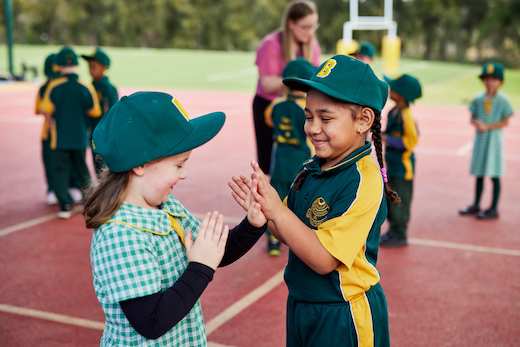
(461, 246)
(60, 318)
(465, 149)
(244, 303)
(28, 224)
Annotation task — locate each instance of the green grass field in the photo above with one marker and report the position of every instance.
(444, 84)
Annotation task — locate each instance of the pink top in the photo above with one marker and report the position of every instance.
(270, 60)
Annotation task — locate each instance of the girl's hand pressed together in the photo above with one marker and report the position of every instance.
(255, 215)
(209, 247)
(266, 195)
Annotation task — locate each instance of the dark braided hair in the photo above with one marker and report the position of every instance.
(376, 136)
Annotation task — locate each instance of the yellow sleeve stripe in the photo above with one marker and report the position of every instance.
(95, 111)
(410, 140)
(268, 113)
(46, 105)
(344, 237)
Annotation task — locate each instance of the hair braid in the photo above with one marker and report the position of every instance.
(376, 136)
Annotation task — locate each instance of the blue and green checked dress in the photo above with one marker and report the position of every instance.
(135, 254)
(488, 153)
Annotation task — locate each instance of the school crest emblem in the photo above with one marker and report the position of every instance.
(318, 212)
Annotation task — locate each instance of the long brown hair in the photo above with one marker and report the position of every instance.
(295, 11)
(104, 198)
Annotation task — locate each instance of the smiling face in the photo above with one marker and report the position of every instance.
(333, 128)
(153, 181)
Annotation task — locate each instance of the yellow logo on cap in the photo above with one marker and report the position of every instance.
(181, 110)
(325, 70)
(490, 69)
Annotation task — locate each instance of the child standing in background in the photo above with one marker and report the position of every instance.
(98, 63)
(67, 103)
(365, 53)
(401, 137)
(490, 112)
(151, 258)
(331, 219)
(286, 115)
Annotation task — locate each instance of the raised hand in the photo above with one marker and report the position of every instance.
(241, 191)
(266, 195)
(209, 247)
(255, 214)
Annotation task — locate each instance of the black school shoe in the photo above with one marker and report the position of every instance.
(389, 241)
(472, 209)
(66, 211)
(488, 214)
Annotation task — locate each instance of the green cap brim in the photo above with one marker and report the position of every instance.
(304, 86)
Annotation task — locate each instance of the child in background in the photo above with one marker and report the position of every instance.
(365, 53)
(98, 63)
(286, 115)
(66, 103)
(490, 112)
(401, 136)
(151, 258)
(48, 131)
(331, 219)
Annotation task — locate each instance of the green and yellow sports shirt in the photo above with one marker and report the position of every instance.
(400, 162)
(140, 252)
(70, 101)
(345, 205)
(107, 96)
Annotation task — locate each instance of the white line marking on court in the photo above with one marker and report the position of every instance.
(243, 303)
(465, 149)
(28, 224)
(60, 318)
(461, 246)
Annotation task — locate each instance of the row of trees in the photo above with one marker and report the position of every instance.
(457, 30)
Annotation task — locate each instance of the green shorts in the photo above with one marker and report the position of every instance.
(360, 322)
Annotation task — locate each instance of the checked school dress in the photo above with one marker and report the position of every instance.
(139, 252)
(488, 153)
(346, 207)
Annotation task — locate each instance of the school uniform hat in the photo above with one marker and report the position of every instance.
(50, 67)
(150, 125)
(99, 56)
(345, 78)
(406, 85)
(66, 57)
(366, 48)
(299, 68)
(492, 69)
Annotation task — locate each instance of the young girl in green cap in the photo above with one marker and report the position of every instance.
(331, 218)
(490, 112)
(151, 258)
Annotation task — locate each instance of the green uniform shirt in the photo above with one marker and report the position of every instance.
(70, 101)
(140, 252)
(287, 117)
(46, 134)
(107, 96)
(400, 163)
(345, 205)
(488, 153)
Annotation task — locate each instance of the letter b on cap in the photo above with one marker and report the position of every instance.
(327, 67)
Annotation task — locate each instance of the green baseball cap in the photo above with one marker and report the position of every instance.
(150, 125)
(99, 56)
(50, 67)
(366, 48)
(345, 78)
(299, 68)
(493, 69)
(406, 85)
(66, 57)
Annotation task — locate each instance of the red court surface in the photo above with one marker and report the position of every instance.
(456, 284)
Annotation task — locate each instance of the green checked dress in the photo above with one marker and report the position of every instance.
(139, 252)
(488, 153)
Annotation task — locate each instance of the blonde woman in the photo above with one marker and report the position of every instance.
(295, 38)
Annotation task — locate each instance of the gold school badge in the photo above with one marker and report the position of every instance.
(318, 212)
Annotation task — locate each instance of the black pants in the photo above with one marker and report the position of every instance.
(65, 164)
(264, 134)
(399, 216)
